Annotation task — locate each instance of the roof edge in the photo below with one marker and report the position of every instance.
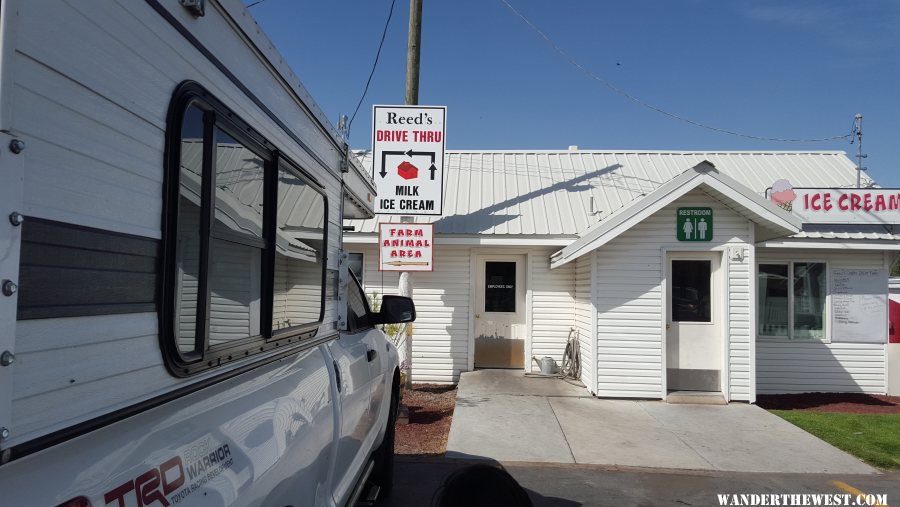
(704, 173)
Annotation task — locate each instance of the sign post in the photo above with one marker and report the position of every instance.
(408, 159)
(694, 224)
(408, 168)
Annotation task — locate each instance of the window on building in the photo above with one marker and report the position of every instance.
(691, 291)
(792, 300)
(247, 253)
(500, 287)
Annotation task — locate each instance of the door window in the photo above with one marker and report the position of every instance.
(357, 308)
(691, 291)
(500, 287)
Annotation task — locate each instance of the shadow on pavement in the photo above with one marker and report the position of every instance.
(416, 480)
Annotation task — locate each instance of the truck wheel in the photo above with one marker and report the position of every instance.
(383, 475)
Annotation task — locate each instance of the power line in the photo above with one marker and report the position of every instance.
(647, 105)
(374, 65)
(257, 2)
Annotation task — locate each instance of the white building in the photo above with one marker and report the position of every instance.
(675, 270)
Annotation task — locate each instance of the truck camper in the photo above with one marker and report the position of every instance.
(178, 325)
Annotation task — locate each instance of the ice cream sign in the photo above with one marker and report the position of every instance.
(408, 159)
(838, 205)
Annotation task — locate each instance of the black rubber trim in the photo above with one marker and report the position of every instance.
(58, 437)
(162, 11)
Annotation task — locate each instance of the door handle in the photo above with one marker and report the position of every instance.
(371, 354)
(337, 375)
(668, 326)
(477, 315)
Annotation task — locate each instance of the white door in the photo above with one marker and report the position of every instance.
(694, 327)
(500, 312)
(354, 353)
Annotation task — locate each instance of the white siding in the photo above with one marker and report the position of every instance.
(444, 306)
(583, 314)
(783, 366)
(630, 299)
(106, 365)
(440, 333)
(552, 303)
(739, 324)
(95, 131)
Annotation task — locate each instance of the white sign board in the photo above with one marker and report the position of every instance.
(405, 247)
(840, 205)
(859, 305)
(408, 159)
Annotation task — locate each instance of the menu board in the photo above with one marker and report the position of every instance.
(859, 305)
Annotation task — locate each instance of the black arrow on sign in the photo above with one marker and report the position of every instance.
(411, 153)
(384, 155)
(431, 154)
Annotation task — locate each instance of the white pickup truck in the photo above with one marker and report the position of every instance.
(178, 325)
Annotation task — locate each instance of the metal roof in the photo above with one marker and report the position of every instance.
(548, 193)
(864, 232)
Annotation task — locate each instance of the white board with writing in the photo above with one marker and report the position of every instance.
(859, 305)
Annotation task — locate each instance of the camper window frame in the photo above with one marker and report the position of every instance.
(204, 357)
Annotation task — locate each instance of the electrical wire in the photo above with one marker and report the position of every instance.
(565, 56)
(374, 65)
(257, 2)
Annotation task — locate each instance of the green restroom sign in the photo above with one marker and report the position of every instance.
(694, 224)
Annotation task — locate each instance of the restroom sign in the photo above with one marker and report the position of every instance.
(694, 224)
(408, 159)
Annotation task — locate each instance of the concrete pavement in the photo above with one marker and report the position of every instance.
(505, 416)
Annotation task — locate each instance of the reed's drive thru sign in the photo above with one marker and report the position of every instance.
(408, 159)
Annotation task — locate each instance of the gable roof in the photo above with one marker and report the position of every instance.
(773, 221)
(548, 194)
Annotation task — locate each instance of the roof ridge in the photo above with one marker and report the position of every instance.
(661, 152)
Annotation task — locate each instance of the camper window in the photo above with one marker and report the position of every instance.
(246, 255)
(299, 252)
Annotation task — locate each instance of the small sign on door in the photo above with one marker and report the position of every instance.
(694, 224)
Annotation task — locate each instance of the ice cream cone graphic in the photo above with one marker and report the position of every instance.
(783, 195)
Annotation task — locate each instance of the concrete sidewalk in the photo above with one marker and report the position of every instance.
(505, 416)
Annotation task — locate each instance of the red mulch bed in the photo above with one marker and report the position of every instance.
(430, 413)
(848, 403)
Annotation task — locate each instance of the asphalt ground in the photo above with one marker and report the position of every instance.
(571, 485)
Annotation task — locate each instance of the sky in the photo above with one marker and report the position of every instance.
(797, 69)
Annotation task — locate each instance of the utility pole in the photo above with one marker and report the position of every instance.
(412, 99)
(857, 129)
(412, 52)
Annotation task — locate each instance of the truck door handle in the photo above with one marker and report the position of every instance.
(371, 354)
